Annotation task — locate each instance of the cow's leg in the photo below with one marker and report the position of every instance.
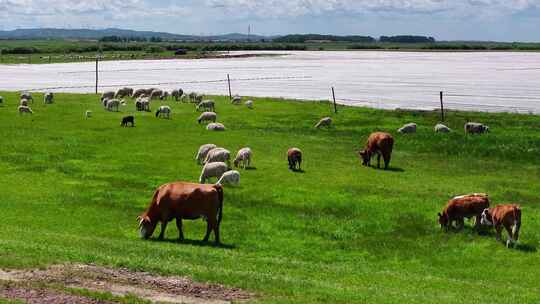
(386, 158)
(208, 230)
(460, 224)
(213, 224)
(179, 226)
(510, 240)
(378, 160)
(498, 230)
(163, 228)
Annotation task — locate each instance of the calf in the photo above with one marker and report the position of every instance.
(507, 216)
(126, 120)
(294, 156)
(381, 144)
(182, 200)
(465, 206)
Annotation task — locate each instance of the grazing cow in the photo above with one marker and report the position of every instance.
(507, 216)
(475, 128)
(128, 119)
(24, 109)
(182, 200)
(381, 144)
(48, 98)
(164, 111)
(27, 96)
(107, 95)
(294, 156)
(464, 206)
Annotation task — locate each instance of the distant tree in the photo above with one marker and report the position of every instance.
(407, 39)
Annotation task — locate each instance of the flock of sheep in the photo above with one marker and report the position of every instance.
(26, 98)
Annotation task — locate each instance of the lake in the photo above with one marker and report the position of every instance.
(487, 81)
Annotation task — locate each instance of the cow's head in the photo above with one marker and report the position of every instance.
(365, 156)
(443, 220)
(146, 227)
(486, 218)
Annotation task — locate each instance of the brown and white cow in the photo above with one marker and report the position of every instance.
(381, 144)
(182, 200)
(464, 206)
(507, 216)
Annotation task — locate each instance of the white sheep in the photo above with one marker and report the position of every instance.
(107, 95)
(440, 128)
(113, 104)
(48, 98)
(324, 122)
(218, 155)
(23, 102)
(208, 105)
(207, 116)
(210, 170)
(164, 95)
(177, 94)
(24, 109)
(215, 126)
(243, 158)
(164, 112)
(249, 104)
(229, 178)
(475, 128)
(123, 92)
(156, 94)
(236, 100)
(408, 128)
(88, 114)
(27, 96)
(138, 93)
(203, 151)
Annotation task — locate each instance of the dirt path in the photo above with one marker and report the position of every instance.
(119, 282)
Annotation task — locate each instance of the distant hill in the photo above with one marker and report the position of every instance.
(89, 34)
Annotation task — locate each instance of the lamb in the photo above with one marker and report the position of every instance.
(408, 129)
(475, 128)
(236, 100)
(24, 109)
(215, 169)
(440, 128)
(207, 116)
(164, 112)
(218, 155)
(324, 122)
(112, 105)
(215, 126)
(48, 98)
(229, 178)
(203, 152)
(23, 102)
(208, 105)
(124, 92)
(88, 114)
(107, 95)
(27, 96)
(243, 157)
(249, 104)
(177, 94)
(128, 119)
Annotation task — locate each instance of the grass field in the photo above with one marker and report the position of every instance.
(337, 233)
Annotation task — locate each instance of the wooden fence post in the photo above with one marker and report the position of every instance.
(230, 92)
(442, 107)
(334, 96)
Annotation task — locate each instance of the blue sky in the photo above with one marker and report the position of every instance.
(503, 20)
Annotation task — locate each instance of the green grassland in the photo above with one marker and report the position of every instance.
(71, 189)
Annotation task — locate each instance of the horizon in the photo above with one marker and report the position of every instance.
(459, 20)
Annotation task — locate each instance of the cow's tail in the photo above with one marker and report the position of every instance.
(219, 190)
(517, 223)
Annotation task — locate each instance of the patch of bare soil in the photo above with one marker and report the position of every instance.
(43, 296)
(122, 282)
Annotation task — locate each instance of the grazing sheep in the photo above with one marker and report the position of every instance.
(249, 104)
(440, 128)
(215, 126)
(107, 95)
(164, 95)
(475, 128)
(88, 114)
(124, 92)
(1, 100)
(294, 156)
(128, 119)
(24, 109)
(324, 122)
(142, 104)
(138, 93)
(218, 155)
(112, 105)
(104, 102)
(23, 102)
(215, 169)
(195, 98)
(408, 128)
(156, 94)
(164, 112)
(27, 96)
(236, 100)
(243, 157)
(207, 105)
(229, 178)
(48, 98)
(177, 94)
(207, 116)
(203, 152)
